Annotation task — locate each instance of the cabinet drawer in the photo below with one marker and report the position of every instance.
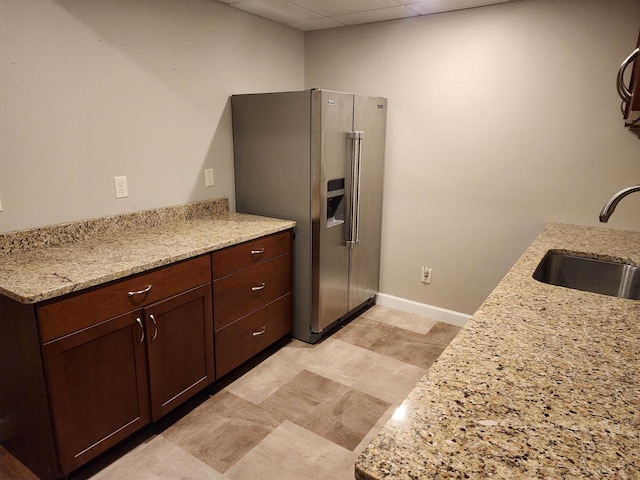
(244, 338)
(232, 259)
(77, 311)
(237, 295)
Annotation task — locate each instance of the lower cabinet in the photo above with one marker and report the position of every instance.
(179, 334)
(252, 298)
(85, 371)
(110, 373)
(98, 388)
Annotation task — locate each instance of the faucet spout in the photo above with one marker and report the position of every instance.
(608, 209)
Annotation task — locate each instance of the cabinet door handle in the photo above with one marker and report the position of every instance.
(259, 287)
(141, 330)
(262, 330)
(257, 252)
(155, 327)
(141, 292)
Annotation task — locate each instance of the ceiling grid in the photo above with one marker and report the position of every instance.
(309, 15)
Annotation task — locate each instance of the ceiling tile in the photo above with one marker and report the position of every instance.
(328, 8)
(437, 6)
(276, 10)
(321, 14)
(319, 23)
(378, 15)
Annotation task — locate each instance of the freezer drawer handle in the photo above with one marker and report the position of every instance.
(257, 252)
(262, 330)
(259, 287)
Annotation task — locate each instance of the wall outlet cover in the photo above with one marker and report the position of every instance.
(120, 184)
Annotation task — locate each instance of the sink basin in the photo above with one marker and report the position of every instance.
(589, 274)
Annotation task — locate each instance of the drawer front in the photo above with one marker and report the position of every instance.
(77, 311)
(238, 342)
(232, 259)
(237, 295)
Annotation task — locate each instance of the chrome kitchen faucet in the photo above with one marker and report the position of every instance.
(608, 209)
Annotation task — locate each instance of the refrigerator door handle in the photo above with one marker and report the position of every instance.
(353, 239)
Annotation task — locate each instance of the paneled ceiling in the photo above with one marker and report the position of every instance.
(321, 14)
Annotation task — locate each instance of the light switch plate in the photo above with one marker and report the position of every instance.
(208, 177)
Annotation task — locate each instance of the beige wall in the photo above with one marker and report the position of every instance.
(92, 89)
(501, 119)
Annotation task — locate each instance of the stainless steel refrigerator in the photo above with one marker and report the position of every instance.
(316, 157)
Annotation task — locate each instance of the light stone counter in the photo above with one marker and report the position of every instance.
(47, 262)
(542, 382)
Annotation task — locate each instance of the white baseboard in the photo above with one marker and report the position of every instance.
(429, 311)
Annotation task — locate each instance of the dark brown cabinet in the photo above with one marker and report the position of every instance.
(82, 372)
(98, 387)
(252, 298)
(111, 370)
(179, 333)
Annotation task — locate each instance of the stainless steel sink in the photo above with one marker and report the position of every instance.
(589, 274)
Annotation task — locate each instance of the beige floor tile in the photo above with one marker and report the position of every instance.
(330, 409)
(222, 430)
(396, 318)
(443, 333)
(158, 459)
(381, 376)
(386, 416)
(406, 346)
(267, 377)
(291, 452)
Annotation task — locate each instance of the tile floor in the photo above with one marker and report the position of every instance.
(306, 412)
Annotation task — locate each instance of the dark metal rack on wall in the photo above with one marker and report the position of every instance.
(630, 92)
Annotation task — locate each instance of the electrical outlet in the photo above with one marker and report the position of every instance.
(120, 184)
(425, 276)
(208, 177)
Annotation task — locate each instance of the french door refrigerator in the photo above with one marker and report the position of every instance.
(316, 157)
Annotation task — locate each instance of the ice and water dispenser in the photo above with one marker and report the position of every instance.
(335, 202)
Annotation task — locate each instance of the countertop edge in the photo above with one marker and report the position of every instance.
(244, 228)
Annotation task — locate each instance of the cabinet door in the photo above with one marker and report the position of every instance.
(180, 348)
(97, 380)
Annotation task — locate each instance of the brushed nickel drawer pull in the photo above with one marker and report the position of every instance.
(155, 327)
(141, 330)
(262, 330)
(259, 287)
(140, 292)
(257, 252)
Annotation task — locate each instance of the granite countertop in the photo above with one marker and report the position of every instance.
(542, 382)
(45, 263)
